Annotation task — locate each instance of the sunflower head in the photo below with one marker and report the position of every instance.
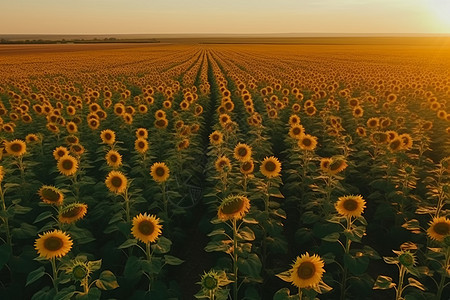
(72, 213)
(296, 131)
(439, 228)
(271, 167)
(406, 258)
(216, 138)
(159, 172)
(2, 174)
(32, 138)
(16, 148)
(350, 206)
(337, 165)
(146, 228)
(307, 142)
(67, 165)
(247, 167)
(223, 164)
(60, 152)
(233, 208)
(141, 145)
(53, 244)
(307, 271)
(213, 280)
(242, 152)
(116, 182)
(141, 133)
(108, 136)
(51, 195)
(113, 159)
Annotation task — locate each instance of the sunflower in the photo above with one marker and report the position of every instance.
(224, 119)
(160, 172)
(307, 142)
(233, 208)
(53, 244)
(77, 149)
(51, 195)
(358, 112)
(141, 145)
(373, 122)
(296, 131)
(310, 110)
(60, 152)
(146, 228)
(113, 159)
(294, 120)
(337, 165)
(216, 138)
(350, 206)
(361, 131)
(141, 133)
(161, 123)
(72, 212)
(71, 127)
(67, 165)
(395, 145)
(184, 144)
(160, 114)
(116, 182)
(242, 152)
(407, 141)
(307, 271)
(247, 167)
(439, 228)
(270, 167)
(108, 136)
(31, 138)
(16, 148)
(93, 123)
(2, 173)
(325, 164)
(223, 164)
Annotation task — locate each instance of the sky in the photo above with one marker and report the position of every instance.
(223, 16)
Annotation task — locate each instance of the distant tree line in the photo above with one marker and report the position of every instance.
(78, 41)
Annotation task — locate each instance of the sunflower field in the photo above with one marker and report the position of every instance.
(225, 172)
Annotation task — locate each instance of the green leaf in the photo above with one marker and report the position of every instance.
(65, 294)
(370, 252)
(162, 246)
(246, 234)
(275, 192)
(391, 260)
(355, 234)
(415, 283)
(284, 294)
(128, 243)
(249, 221)
(250, 266)
(217, 246)
(5, 254)
(383, 283)
(285, 276)
(133, 267)
(95, 265)
(43, 216)
(35, 275)
(334, 237)
(279, 213)
(322, 288)
(172, 260)
(356, 265)
(152, 267)
(217, 232)
(25, 231)
(309, 217)
(107, 281)
(19, 209)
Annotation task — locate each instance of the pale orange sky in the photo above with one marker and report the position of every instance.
(230, 16)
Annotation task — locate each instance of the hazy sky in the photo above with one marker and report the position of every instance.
(228, 16)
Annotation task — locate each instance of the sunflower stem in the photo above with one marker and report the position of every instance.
(398, 294)
(235, 258)
(55, 274)
(300, 296)
(21, 168)
(165, 202)
(347, 251)
(443, 277)
(5, 219)
(127, 205)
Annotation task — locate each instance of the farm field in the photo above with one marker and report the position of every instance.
(226, 171)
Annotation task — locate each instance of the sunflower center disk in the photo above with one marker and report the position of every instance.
(233, 206)
(50, 195)
(146, 227)
(72, 212)
(116, 181)
(350, 205)
(306, 270)
(67, 164)
(210, 283)
(270, 166)
(306, 142)
(113, 158)
(442, 228)
(53, 243)
(242, 152)
(16, 147)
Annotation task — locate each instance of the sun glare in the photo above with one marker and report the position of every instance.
(441, 8)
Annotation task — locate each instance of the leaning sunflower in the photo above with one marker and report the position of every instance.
(116, 182)
(242, 152)
(53, 244)
(350, 206)
(51, 195)
(233, 208)
(16, 148)
(270, 167)
(159, 172)
(146, 228)
(307, 271)
(72, 213)
(439, 228)
(67, 165)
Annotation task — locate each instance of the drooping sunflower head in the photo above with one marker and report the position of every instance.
(161, 123)
(439, 228)
(16, 148)
(395, 144)
(53, 244)
(350, 206)
(406, 258)
(296, 131)
(72, 213)
(116, 182)
(307, 142)
(216, 138)
(307, 271)
(141, 145)
(67, 165)
(78, 269)
(271, 167)
(108, 136)
(247, 167)
(337, 165)
(51, 195)
(77, 149)
(32, 138)
(210, 281)
(72, 139)
(113, 159)
(183, 144)
(242, 152)
(233, 208)
(159, 172)
(146, 228)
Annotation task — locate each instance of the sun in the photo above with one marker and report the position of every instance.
(441, 8)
